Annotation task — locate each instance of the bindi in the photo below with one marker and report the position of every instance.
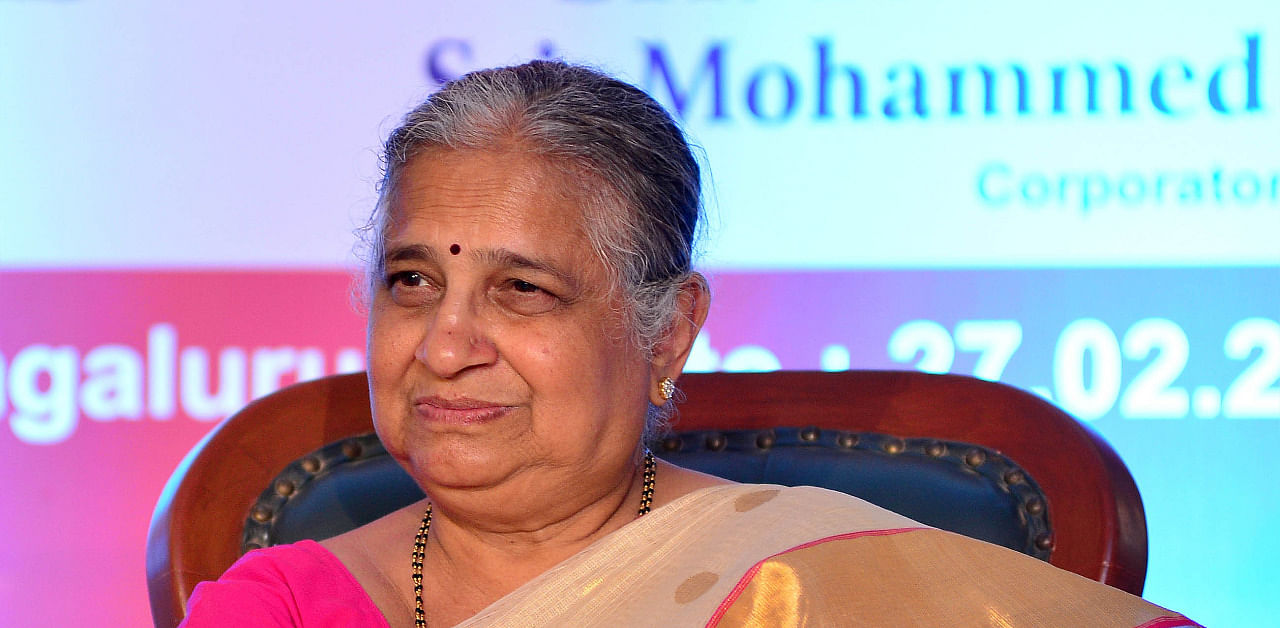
(455, 249)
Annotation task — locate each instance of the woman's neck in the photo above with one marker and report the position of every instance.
(474, 559)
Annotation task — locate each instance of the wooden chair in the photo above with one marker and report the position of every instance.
(958, 453)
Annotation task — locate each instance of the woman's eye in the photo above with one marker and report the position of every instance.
(409, 288)
(523, 297)
(406, 278)
(523, 286)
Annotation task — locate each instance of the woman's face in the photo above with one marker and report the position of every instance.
(497, 355)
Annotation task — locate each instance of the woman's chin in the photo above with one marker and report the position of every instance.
(461, 468)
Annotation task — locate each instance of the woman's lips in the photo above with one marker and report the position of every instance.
(459, 411)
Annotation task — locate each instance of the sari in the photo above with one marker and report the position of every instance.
(730, 555)
(759, 555)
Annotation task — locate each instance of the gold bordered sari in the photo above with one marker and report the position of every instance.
(757, 555)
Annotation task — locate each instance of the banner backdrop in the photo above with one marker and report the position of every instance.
(1082, 201)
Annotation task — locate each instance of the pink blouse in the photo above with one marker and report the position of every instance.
(297, 585)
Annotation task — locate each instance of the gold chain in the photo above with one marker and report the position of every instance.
(420, 541)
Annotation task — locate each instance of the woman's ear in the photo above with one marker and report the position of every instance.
(672, 350)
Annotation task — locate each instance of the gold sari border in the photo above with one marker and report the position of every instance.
(755, 569)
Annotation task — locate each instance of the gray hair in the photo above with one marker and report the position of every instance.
(642, 220)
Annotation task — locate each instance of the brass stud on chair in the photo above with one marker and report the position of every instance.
(261, 514)
(847, 440)
(672, 443)
(1014, 476)
(766, 440)
(284, 489)
(975, 458)
(716, 442)
(352, 449)
(1044, 541)
(310, 464)
(894, 446)
(809, 434)
(1034, 506)
(935, 449)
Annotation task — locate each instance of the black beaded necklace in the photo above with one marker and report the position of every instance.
(420, 541)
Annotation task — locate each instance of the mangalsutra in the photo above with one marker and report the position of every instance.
(419, 551)
(420, 541)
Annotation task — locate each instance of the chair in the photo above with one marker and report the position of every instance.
(951, 451)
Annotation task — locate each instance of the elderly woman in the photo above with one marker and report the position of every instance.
(532, 305)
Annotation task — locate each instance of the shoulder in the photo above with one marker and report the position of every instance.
(798, 511)
(875, 564)
(286, 585)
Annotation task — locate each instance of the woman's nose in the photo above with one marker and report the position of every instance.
(455, 340)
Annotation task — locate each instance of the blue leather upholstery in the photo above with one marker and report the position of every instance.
(954, 486)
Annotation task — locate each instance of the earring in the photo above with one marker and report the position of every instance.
(666, 388)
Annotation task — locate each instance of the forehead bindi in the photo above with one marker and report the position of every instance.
(496, 208)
